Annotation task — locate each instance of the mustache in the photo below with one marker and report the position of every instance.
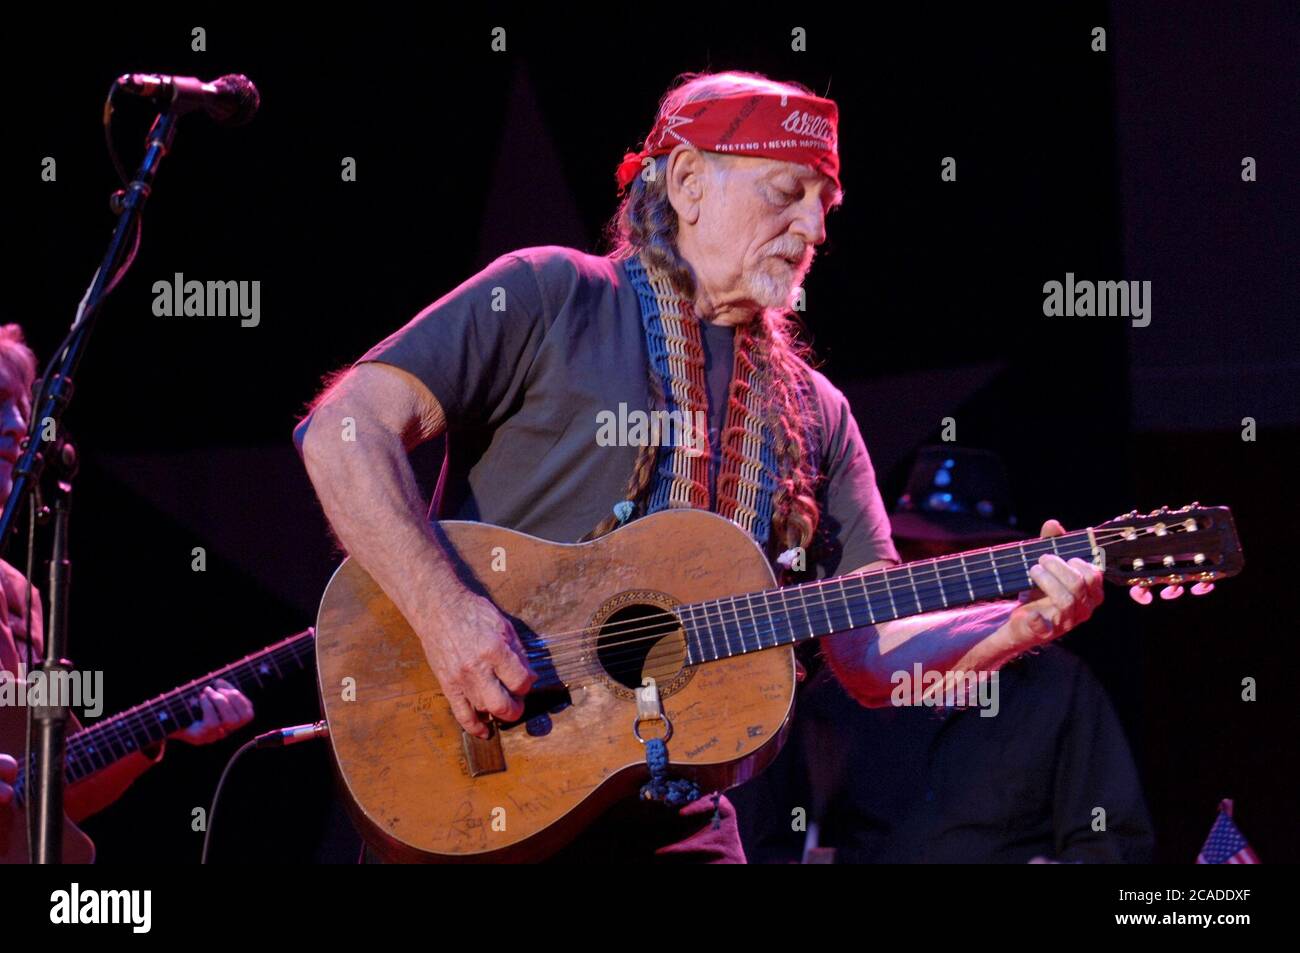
(793, 248)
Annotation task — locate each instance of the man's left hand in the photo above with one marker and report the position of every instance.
(1066, 595)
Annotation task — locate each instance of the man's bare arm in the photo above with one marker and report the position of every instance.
(354, 448)
(977, 638)
(354, 445)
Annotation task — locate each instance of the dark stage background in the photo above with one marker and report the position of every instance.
(926, 302)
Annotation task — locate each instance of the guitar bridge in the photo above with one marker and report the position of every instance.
(483, 755)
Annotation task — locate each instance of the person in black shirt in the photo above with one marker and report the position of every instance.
(1049, 778)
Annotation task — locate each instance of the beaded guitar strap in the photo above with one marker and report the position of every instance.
(747, 475)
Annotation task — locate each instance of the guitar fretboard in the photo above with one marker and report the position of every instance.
(734, 625)
(96, 747)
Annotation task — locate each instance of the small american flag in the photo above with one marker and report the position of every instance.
(1226, 845)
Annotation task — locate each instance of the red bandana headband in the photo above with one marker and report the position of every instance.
(791, 128)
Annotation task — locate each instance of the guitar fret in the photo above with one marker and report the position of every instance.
(734, 618)
(777, 613)
(125, 738)
(916, 592)
(755, 632)
(766, 620)
(807, 619)
(758, 625)
(938, 578)
(709, 631)
(109, 738)
(724, 616)
(94, 752)
(686, 616)
(991, 576)
(965, 573)
(271, 660)
(731, 616)
(701, 620)
(740, 625)
(252, 670)
(789, 617)
(826, 610)
(848, 605)
(697, 635)
(726, 635)
(722, 626)
(889, 590)
(866, 596)
(742, 630)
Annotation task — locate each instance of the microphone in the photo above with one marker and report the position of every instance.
(231, 100)
(283, 737)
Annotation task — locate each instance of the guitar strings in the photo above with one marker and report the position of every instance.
(625, 650)
(596, 663)
(926, 586)
(613, 655)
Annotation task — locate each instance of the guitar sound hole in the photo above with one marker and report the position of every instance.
(639, 641)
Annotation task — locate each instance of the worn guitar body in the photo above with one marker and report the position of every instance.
(681, 598)
(421, 792)
(77, 847)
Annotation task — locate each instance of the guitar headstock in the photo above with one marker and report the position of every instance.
(1196, 544)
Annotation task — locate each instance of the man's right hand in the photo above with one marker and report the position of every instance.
(366, 481)
(479, 662)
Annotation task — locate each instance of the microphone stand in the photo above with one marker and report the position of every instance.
(46, 832)
(51, 719)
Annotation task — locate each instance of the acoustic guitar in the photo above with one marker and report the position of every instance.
(670, 627)
(94, 748)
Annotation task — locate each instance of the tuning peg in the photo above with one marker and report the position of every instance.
(1141, 595)
(1201, 588)
(1171, 592)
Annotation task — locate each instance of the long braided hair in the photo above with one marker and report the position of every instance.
(646, 225)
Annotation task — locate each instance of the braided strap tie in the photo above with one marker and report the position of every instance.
(674, 793)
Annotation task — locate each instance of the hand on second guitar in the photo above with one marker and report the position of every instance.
(225, 709)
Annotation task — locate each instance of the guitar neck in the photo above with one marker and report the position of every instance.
(108, 741)
(721, 628)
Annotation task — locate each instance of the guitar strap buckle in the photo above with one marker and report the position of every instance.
(650, 708)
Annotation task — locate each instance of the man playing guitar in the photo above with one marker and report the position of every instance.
(531, 367)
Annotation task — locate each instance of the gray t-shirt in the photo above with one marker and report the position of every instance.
(525, 356)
